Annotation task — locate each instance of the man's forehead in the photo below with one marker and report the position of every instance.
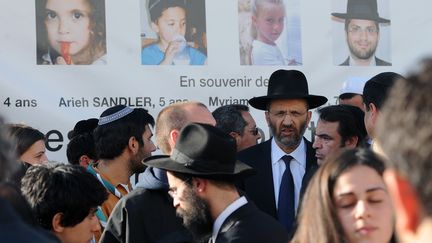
(288, 104)
(362, 22)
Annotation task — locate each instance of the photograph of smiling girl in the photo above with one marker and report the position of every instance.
(70, 32)
(173, 32)
(270, 32)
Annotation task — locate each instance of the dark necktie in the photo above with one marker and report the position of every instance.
(286, 208)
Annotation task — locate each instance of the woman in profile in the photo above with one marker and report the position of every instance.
(347, 201)
(29, 146)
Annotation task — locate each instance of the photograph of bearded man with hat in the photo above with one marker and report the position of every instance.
(202, 170)
(362, 31)
(286, 161)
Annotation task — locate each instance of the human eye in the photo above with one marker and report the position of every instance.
(50, 14)
(77, 15)
(346, 203)
(355, 29)
(371, 30)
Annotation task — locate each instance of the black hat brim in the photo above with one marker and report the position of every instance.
(241, 170)
(313, 101)
(360, 16)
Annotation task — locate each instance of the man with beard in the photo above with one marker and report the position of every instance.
(122, 139)
(202, 170)
(362, 33)
(146, 214)
(274, 189)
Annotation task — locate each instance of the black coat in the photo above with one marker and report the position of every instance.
(145, 215)
(248, 224)
(259, 188)
(378, 62)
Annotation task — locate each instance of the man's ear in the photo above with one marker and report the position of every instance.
(84, 161)
(133, 145)
(351, 142)
(56, 223)
(173, 135)
(309, 116)
(405, 201)
(200, 185)
(374, 113)
(236, 136)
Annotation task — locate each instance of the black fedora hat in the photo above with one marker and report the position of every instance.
(203, 151)
(362, 9)
(287, 84)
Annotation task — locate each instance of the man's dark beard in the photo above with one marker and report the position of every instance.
(198, 218)
(290, 142)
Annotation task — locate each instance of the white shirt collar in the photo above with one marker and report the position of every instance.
(299, 154)
(224, 215)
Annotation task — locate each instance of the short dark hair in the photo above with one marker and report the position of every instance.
(79, 145)
(229, 118)
(346, 96)
(350, 119)
(24, 137)
(66, 189)
(156, 7)
(376, 89)
(113, 137)
(404, 131)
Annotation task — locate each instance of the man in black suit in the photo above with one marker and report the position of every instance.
(362, 33)
(287, 111)
(202, 170)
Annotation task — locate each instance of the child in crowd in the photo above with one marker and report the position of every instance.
(268, 18)
(168, 20)
(71, 32)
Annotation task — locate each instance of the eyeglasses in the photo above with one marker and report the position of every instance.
(254, 131)
(355, 29)
(173, 190)
(283, 114)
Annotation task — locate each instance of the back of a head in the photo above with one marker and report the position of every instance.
(24, 137)
(83, 127)
(405, 131)
(66, 189)
(172, 117)
(116, 126)
(79, 145)
(229, 118)
(376, 89)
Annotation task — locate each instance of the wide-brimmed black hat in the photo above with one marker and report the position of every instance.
(362, 9)
(287, 84)
(203, 151)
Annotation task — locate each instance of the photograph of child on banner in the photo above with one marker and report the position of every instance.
(70, 32)
(270, 32)
(176, 32)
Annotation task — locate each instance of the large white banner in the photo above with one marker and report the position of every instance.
(114, 49)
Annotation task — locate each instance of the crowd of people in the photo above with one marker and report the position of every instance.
(363, 178)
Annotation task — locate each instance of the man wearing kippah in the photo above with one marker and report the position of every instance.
(122, 139)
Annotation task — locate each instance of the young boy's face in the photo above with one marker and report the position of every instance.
(68, 22)
(269, 22)
(170, 24)
(82, 232)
